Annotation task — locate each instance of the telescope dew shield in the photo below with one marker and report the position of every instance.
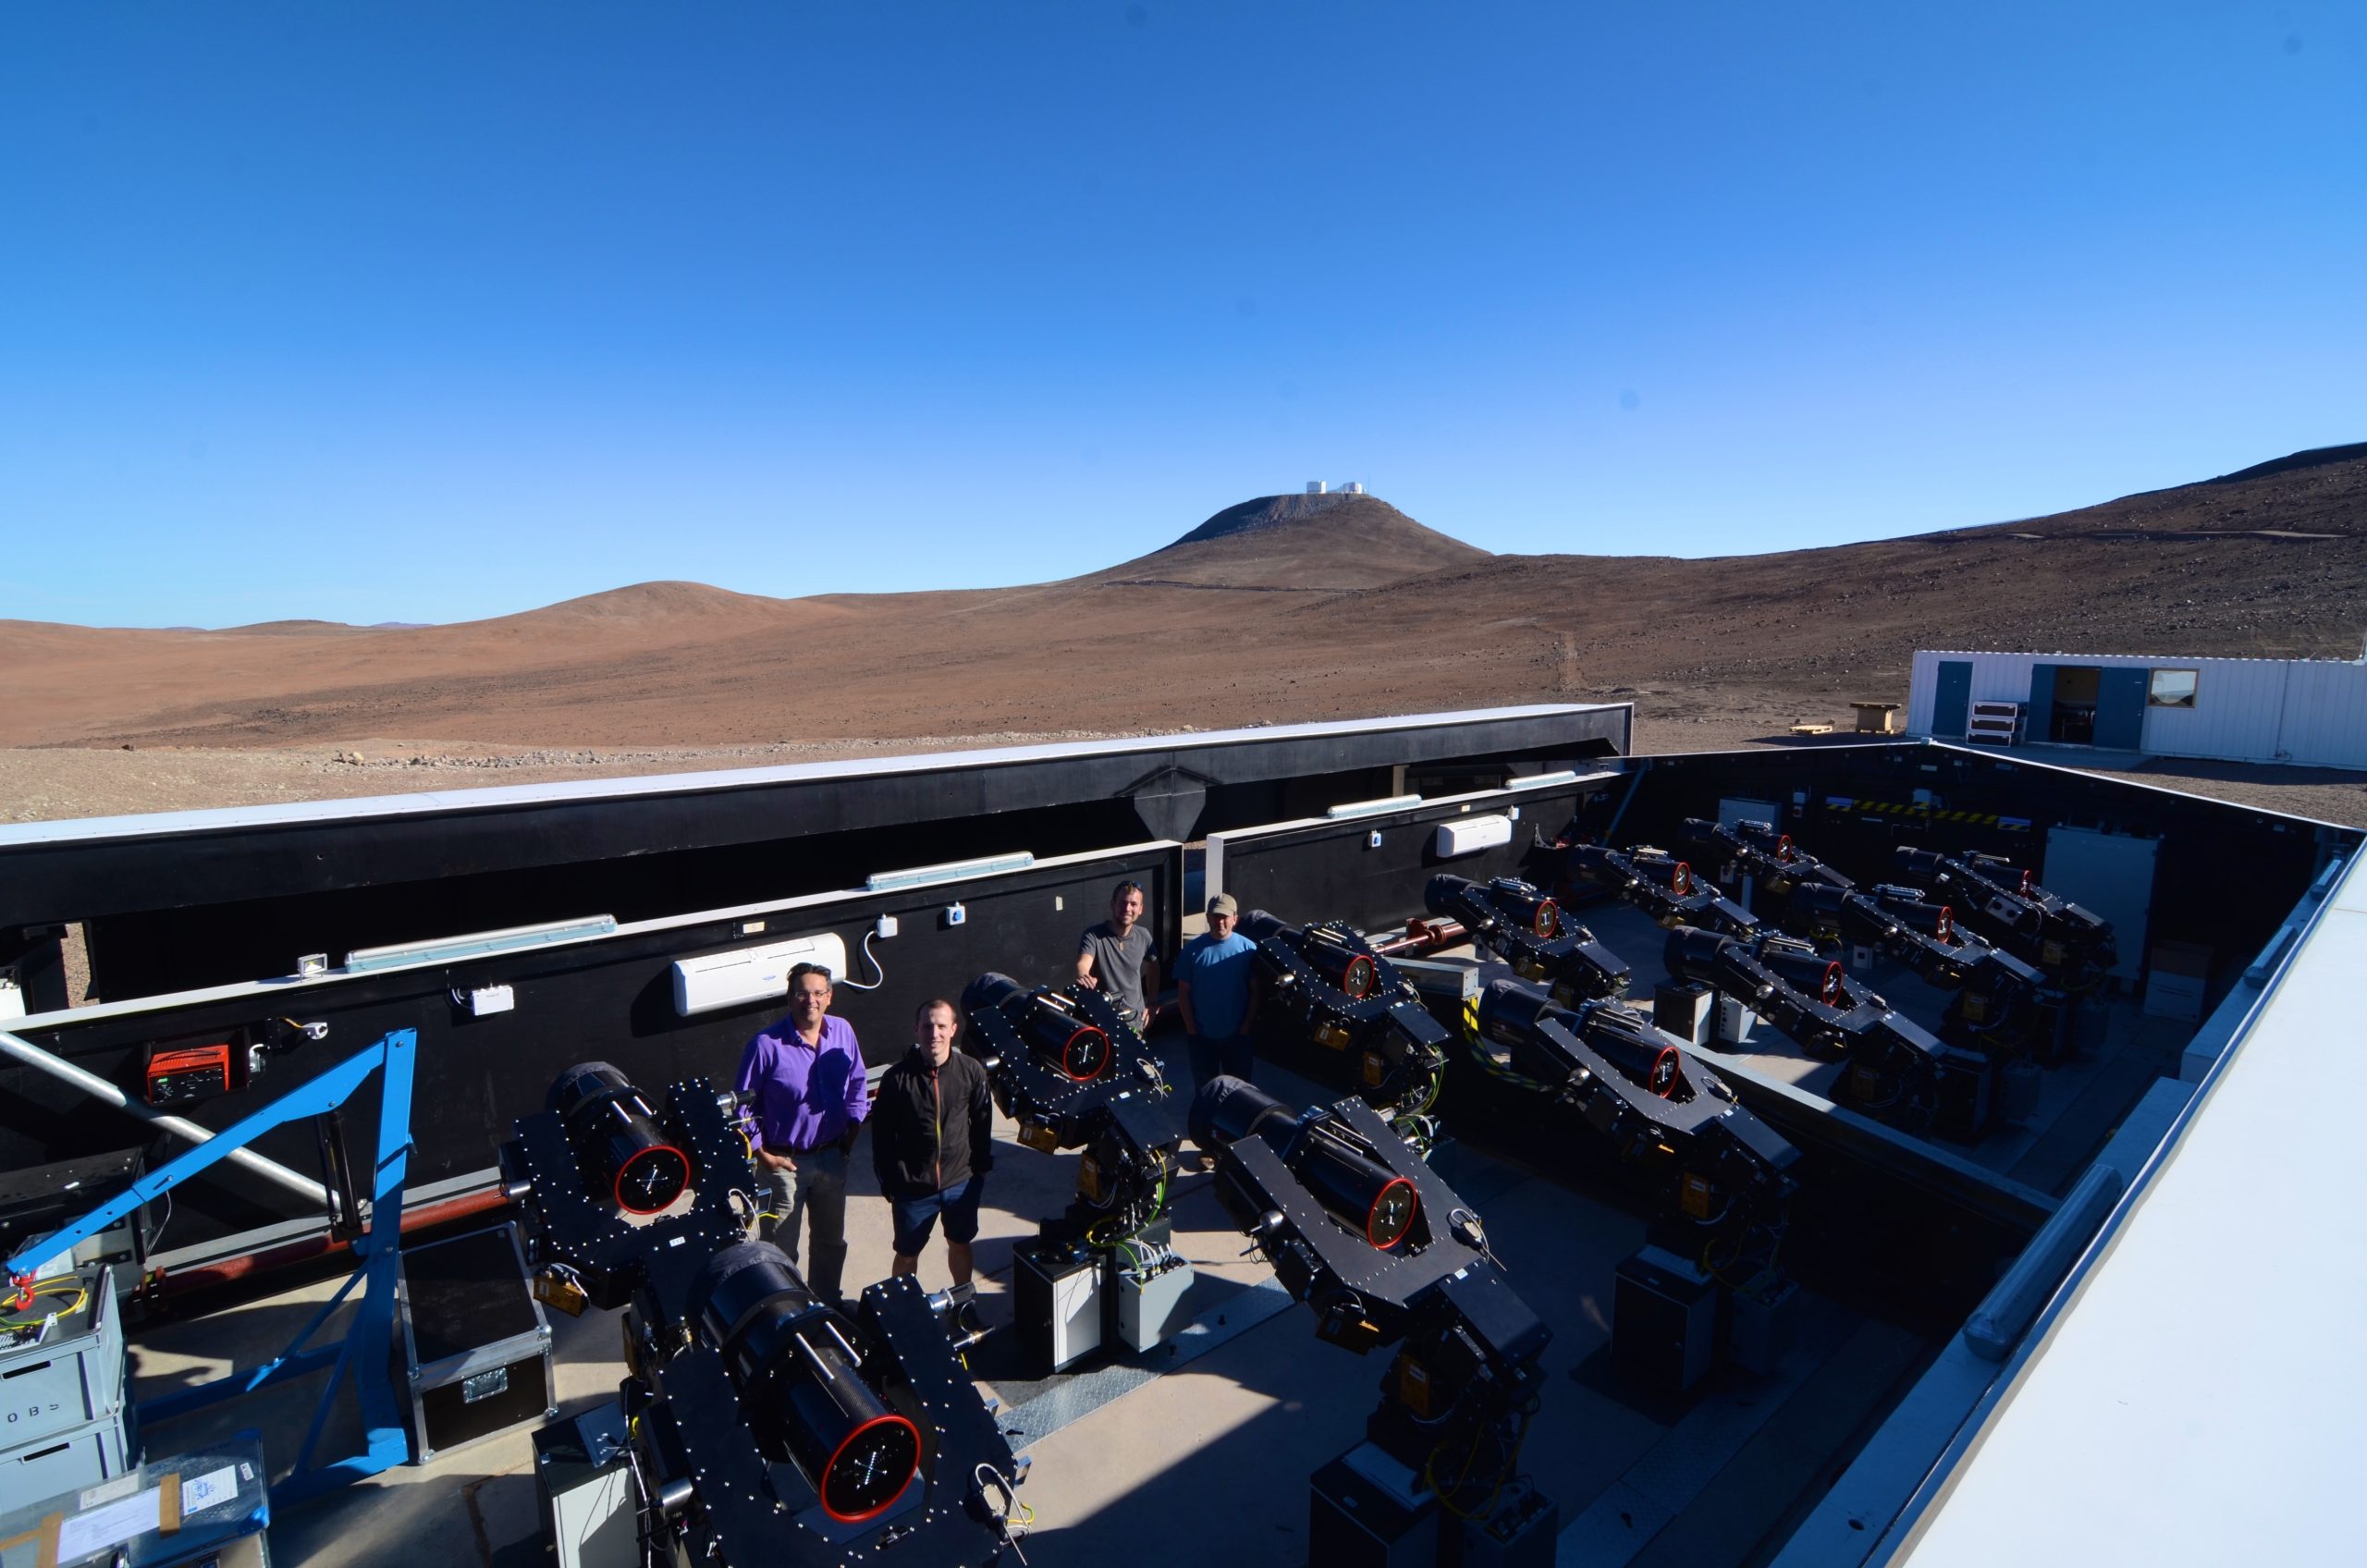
(801, 1383)
(1527, 906)
(1367, 1198)
(1692, 953)
(1331, 955)
(1069, 1046)
(623, 1153)
(1353, 973)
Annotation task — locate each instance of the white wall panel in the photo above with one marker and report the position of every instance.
(2312, 712)
(2326, 715)
(2237, 705)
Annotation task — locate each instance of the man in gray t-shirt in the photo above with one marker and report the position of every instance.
(1116, 956)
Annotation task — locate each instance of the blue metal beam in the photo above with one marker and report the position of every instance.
(367, 1346)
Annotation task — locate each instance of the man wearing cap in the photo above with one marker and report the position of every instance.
(1213, 986)
(804, 1076)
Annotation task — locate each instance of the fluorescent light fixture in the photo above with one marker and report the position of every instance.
(478, 944)
(947, 870)
(1540, 781)
(1365, 808)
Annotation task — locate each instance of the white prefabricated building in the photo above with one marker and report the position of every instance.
(2312, 712)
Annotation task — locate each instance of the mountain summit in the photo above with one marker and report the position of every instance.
(1325, 543)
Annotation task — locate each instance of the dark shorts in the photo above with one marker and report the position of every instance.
(1232, 1057)
(915, 1218)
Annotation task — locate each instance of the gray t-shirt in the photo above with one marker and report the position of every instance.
(1118, 962)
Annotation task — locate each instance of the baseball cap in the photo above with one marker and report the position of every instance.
(1224, 903)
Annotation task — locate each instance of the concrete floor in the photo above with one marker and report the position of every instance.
(1208, 1463)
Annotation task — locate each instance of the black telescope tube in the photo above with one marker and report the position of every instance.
(1067, 1044)
(625, 1157)
(1692, 953)
(1508, 900)
(1351, 972)
(1367, 1198)
(800, 1382)
(1923, 866)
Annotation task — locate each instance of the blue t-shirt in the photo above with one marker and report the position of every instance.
(1219, 973)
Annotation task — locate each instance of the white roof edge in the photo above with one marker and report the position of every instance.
(2163, 658)
(2075, 1454)
(494, 797)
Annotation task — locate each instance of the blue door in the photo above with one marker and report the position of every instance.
(2120, 707)
(2040, 724)
(1952, 706)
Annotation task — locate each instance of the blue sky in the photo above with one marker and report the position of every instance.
(427, 312)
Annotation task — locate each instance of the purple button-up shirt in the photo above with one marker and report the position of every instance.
(806, 1096)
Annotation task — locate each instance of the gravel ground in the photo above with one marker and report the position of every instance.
(41, 784)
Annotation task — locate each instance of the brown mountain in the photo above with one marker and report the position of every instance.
(1384, 615)
(1299, 543)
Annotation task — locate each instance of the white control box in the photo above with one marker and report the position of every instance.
(1469, 835)
(751, 974)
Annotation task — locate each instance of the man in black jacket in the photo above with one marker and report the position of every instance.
(932, 1141)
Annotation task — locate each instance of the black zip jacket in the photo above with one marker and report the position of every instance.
(931, 1127)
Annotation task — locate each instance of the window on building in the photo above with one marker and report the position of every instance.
(2171, 689)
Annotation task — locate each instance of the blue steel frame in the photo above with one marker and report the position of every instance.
(368, 1343)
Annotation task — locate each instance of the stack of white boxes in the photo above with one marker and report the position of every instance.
(1997, 724)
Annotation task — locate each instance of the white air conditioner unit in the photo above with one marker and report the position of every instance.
(1469, 835)
(751, 974)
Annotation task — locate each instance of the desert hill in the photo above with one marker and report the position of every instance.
(1299, 543)
(1410, 619)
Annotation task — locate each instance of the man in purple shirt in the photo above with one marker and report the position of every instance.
(807, 1072)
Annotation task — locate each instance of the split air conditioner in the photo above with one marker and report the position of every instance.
(751, 974)
(1469, 835)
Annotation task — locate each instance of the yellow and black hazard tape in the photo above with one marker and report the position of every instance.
(1926, 814)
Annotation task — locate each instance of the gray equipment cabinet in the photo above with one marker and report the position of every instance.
(476, 1345)
(64, 1420)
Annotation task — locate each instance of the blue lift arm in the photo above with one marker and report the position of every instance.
(368, 1343)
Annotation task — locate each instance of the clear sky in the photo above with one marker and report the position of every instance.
(430, 312)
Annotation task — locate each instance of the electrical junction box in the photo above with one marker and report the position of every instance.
(1735, 1022)
(590, 1514)
(1687, 1009)
(1664, 1321)
(1469, 835)
(1762, 1321)
(1366, 1511)
(751, 974)
(476, 1346)
(486, 1001)
(1057, 1305)
(1150, 1304)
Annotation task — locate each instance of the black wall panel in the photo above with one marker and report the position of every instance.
(609, 1000)
(1330, 870)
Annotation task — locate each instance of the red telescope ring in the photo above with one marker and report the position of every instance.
(1379, 1201)
(831, 1507)
(1068, 1055)
(617, 1187)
